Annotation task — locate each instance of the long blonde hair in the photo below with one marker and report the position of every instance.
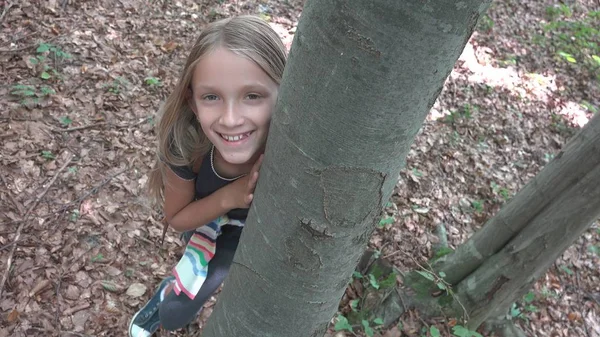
(180, 137)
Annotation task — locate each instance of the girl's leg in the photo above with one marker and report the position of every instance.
(177, 311)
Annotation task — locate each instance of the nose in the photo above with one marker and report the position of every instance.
(231, 116)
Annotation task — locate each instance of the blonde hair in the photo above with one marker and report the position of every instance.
(180, 137)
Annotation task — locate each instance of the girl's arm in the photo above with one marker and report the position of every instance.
(184, 214)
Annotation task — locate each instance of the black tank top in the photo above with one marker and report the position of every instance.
(207, 182)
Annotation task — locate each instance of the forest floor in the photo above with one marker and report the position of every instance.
(83, 81)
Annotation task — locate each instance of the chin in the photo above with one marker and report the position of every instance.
(236, 158)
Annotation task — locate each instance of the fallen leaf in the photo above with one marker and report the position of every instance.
(13, 316)
(393, 332)
(574, 316)
(136, 290)
(169, 46)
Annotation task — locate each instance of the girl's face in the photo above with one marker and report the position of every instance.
(233, 99)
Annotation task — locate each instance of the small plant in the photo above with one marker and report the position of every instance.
(152, 81)
(74, 215)
(56, 56)
(502, 191)
(548, 157)
(589, 107)
(477, 206)
(47, 155)
(118, 85)
(29, 94)
(65, 121)
(485, 24)
(369, 331)
(574, 40)
(98, 257)
(57, 53)
(461, 331)
(342, 324)
(416, 172)
(567, 270)
(388, 220)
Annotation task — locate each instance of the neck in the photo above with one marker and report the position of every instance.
(230, 171)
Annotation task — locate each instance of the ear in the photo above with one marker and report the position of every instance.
(189, 97)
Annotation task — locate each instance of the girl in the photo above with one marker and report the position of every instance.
(210, 143)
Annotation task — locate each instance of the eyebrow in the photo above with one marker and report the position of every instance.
(249, 86)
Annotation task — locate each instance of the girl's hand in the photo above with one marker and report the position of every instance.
(241, 192)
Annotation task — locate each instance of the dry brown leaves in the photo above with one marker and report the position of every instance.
(89, 256)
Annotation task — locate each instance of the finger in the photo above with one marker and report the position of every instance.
(252, 180)
(249, 198)
(256, 166)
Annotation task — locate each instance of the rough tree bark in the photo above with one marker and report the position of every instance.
(360, 79)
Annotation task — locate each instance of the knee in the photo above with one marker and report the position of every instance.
(173, 315)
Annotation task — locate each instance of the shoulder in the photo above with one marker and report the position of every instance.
(186, 172)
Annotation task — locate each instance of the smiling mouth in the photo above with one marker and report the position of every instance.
(235, 138)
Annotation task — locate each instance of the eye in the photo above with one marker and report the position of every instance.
(253, 96)
(210, 97)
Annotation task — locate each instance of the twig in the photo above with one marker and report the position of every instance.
(100, 124)
(440, 279)
(6, 9)
(25, 217)
(92, 191)
(59, 283)
(79, 127)
(75, 309)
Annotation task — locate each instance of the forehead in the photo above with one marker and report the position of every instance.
(223, 67)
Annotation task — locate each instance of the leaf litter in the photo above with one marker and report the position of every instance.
(89, 252)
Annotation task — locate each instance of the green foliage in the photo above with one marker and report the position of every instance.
(477, 205)
(74, 215)
(48, 64)
(55, 52)
(388, 220)
(29, 94)
(342, 324)
(485, 24)
(354, 304)
(575, 39)
(442, 252)
(461, 331)
(118, 85)
(589, 106)
(47, 155)
(368, 330)
(502, 191)
(373, 281)
(567, 270)
(416, 172)
(23, 90)
(65, 121)
(98, 257)
(152, 81)
(465, 113)
(434, 332)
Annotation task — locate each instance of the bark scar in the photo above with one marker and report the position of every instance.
(314, 229)
(496, 286)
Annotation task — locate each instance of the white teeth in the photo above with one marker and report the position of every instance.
(234, 138)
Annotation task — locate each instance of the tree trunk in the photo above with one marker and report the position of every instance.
(500, 263)
(569, 188)
(360, 79)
